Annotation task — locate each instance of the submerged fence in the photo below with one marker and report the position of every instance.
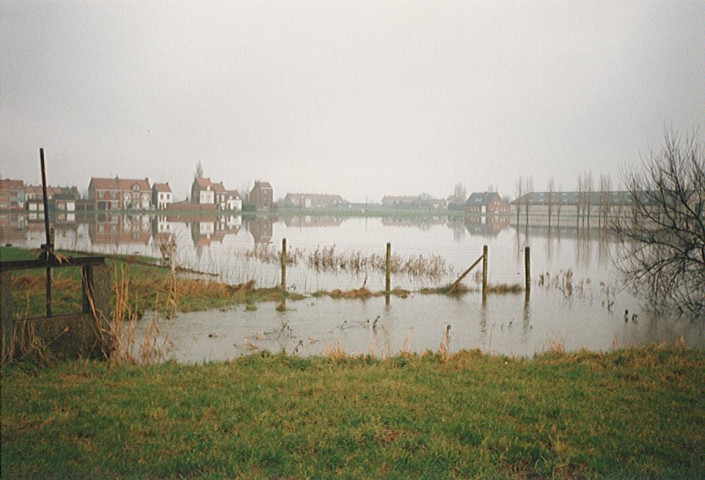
(308, 269)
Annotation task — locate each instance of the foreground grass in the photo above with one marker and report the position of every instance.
(636, 413)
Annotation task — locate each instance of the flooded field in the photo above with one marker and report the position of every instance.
(574, 303)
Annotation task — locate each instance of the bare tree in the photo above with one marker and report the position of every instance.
(662, 250)
(559, 204)
(587, 189)
(549, 200)
(605, 198)
(519, 189)
(529, 186)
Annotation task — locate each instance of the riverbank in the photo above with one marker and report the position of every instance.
(632, 413)
(151, 287)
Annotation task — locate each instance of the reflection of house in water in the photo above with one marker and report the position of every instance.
(204, 232)
(486, 226)
(261, 229)
(423, 223)
(163, 226)
(12, 228)
(313, 221)
(208, 229)
(107, 229)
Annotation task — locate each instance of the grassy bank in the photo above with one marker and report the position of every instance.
(637, 413)
(151, 284)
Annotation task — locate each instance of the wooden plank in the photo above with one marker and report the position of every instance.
(10, 265)
(465, 273)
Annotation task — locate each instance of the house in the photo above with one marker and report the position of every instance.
(391, 201)
(161, 195)
(486, 203)
(202, 191)
(314, 200)
(62, 199)
(233, 200)
(206, 192)
(12, 194)
(120, 193)
(262, 196)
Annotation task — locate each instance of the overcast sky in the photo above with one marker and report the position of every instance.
(360, 98)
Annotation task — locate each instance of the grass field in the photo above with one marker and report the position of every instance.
(636, 413)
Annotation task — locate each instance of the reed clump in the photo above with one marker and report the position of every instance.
(362, 292)
(329, 260)
(504, 288)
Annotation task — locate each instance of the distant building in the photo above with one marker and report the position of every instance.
(419, 201)
(202, 191)
(574, 203)
(161, 195)
(12, 194)
(120, 193)
(391, 201)
(262, 196)
(233, 200)
(486, 203)
(314, 200)
(60, 199)
(206, 192)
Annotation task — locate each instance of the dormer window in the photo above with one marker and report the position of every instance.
(135, 187)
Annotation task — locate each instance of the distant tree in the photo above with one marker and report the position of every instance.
(605, 198)
(529, 188)
(662, 249)
(549, 202)
(559, 204)
(199, 171)
(519, 190)
(588, 187)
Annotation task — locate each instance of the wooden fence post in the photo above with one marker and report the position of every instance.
(527, 268)
(484, 270)
(8, 322)
(388, 281)
(284, 264)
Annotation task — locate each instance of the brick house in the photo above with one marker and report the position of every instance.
(12, 194)
(262, 196)
(486, 203)
(120, 194)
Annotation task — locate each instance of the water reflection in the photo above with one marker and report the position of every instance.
(576, 303)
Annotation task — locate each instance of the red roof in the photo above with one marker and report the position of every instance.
(120, 184)
(7, 184)
(162, 187)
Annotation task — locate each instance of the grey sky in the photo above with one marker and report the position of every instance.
(361, 98)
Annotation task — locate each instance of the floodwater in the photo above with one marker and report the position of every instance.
(574, 302)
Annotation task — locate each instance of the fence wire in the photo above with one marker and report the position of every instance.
(316, 267)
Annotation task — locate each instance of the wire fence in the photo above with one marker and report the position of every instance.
(315, 267)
